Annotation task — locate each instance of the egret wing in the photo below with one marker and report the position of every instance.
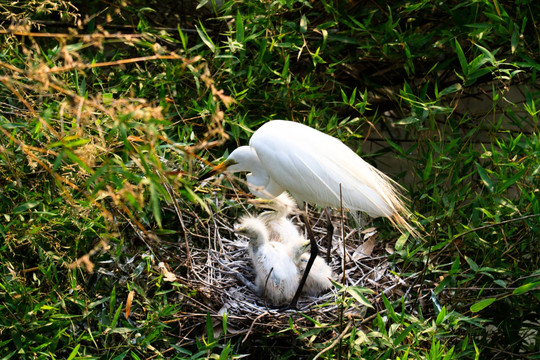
(312, 165)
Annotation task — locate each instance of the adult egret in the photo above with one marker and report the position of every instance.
(277, 276)
(316, 168)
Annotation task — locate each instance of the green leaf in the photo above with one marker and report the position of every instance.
(485, 178)
(455, 266)
(389, 309)
(401, 242)
(209, 328)
(77, 160)
(285, 71)
(112, 302)
(116, 316)
(183, 37)
(482, 304)
(488, 54)
(121, 330)
(74, 352)
(429, 165)
(408, 120)
(26, 206)
(441, 316)
(205, 38)
(471, 263)
(121, 356)
(356, 293)
(303, 24)
(239, 27)
(462, 59)
(451, 89)
(525, 288)
(353, 97)
(154, 199)
(512, 180)
(224, 355)
(404, 334)
(344, 96)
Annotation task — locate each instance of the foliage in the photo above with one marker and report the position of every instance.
(109, 112)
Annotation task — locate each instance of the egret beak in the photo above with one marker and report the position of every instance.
(217, 169)
(260, 202)
(304, 247)
(240, 230)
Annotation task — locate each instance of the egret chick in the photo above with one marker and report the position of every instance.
(277, 276)
(277, 220)
(318, 279)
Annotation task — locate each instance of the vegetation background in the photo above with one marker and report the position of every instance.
(110, 110)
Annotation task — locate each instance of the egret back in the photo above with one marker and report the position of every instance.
(311, 165)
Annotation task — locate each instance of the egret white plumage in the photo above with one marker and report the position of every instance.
(316, 168)
(277, 219)
(319, 277)
(277, 276)
(280, 225)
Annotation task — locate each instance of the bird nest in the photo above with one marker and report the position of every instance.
(221, 268)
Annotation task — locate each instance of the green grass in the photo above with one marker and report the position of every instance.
(105, 129)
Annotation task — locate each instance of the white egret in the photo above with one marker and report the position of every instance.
(277, 276)
(316, 168)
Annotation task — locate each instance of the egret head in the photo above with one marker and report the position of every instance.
(253, 228)
(301, 251)
(243, 158)
(282, 205)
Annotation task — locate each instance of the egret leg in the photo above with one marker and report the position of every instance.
(314, 253)
(251, 286)
(329, 235)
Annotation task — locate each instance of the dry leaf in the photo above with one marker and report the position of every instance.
(365, 249)
(167, 275)
(128, 302)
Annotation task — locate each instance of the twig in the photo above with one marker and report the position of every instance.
(252, 324)
(495, 224)
(349, 325)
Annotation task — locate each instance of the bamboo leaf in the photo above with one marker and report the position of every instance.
(239, 27)
(485, 178)
(525, 288)
(482, 304)
(205, 38)
(26, 206)
(462, 59)
(451, 89)
(303, 24)
(356, 293)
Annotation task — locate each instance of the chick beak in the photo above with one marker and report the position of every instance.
(240, 230)
(304, 248)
